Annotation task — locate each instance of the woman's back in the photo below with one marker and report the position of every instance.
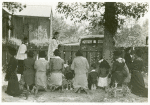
(80, 65)
(41, 65)
(56, 63)
(29, 64)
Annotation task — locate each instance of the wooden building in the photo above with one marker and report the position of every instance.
(30, 20)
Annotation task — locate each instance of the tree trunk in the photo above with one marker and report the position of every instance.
(109, 31)
(108, 47)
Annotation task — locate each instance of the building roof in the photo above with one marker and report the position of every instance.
(34, 10)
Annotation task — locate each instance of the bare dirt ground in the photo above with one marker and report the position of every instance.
(69, 96)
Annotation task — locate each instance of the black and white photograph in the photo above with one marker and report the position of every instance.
(74, 51)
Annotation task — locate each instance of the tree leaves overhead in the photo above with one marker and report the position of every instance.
(94, 12)
(13, 6)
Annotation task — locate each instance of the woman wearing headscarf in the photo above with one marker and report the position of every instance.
(137, 81)
(80, 66)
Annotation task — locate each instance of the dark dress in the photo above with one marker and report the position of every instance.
(92, 78)
(11, 76)
(118, 72)
(137, 81)
(128, 61)
(29, 72)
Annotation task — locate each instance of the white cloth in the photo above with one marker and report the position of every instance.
(103, 81)
(21, 55)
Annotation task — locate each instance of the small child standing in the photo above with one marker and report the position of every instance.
(69, 74)
(103, 74)
(93, 77)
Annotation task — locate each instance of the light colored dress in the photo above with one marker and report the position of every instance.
(56, 69)
(52, 46)
(80, 66)
(41, 67)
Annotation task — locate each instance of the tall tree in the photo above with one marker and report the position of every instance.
(107, 14)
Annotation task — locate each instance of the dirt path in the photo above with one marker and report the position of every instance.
(69, 96)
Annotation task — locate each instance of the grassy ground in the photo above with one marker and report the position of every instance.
(69, 96)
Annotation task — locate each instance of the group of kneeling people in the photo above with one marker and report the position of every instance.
(43, 74)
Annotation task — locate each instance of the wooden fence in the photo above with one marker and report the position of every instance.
(68, 52)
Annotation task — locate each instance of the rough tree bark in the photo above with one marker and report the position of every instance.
(109, 32)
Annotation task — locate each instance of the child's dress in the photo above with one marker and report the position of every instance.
(103, 78)
(92, 79)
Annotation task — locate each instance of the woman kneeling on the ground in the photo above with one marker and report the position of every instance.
(137, 81)
(41, 66)
(29, 71)
(120, 71)
(80, 66)
(56, 68)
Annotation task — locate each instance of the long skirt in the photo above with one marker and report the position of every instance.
(55, 79)
(41, 79)
(80, 80)
(13, 87)
(138, 85)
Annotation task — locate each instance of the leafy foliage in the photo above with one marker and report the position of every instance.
(68, 32)
(96, 12)
(132, 36)
(13, 6)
